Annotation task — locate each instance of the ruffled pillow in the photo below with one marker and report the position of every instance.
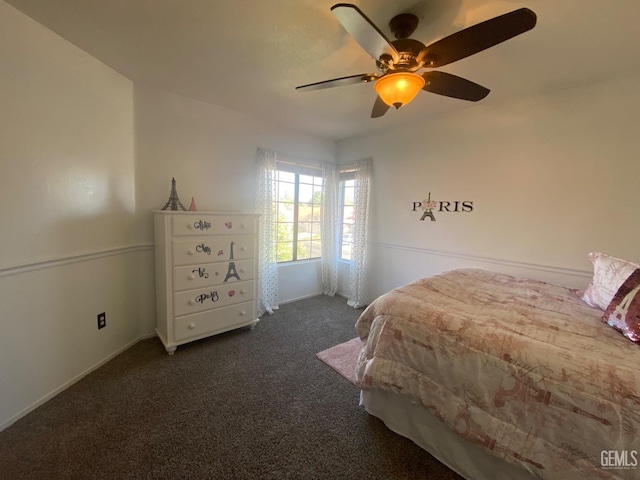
(623, 313)
(609, 273)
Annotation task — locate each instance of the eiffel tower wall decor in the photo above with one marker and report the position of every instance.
(429, 206)
(174, 202)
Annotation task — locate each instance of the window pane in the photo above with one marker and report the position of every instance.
(305, 212)
(286, 176)
(304, 230)
(305, 193)
(285, 252)
(348, 196)
(286, 192)
(348, 215)
(316, 231)
(285, 232)
(308, 179)
(316, 215)
(348, 219)
(285, 212)
(317, 195)
(316, 249)
(304, 250)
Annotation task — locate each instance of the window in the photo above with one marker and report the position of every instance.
(347, 189)
(299, 212)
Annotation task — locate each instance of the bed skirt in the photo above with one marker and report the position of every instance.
(412, 421)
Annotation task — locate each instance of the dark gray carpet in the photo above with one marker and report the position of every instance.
(248, 404)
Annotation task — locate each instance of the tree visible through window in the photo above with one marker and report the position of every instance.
(299, 212)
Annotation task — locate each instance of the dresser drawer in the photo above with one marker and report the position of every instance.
(212, 225)
(213, 321)
(208, 274)
(194, 250)
(193, 301)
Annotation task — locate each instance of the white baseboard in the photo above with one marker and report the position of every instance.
(66, 385)
(290, 300)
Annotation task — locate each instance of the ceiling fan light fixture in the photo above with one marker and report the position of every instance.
(398, 89)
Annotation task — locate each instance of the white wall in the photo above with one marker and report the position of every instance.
(86, 158)
(69, 249)
(211, 153)
(551, 177)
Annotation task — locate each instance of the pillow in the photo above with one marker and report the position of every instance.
(608, 274)
(623, 313)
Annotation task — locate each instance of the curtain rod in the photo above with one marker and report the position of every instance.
(298, 160)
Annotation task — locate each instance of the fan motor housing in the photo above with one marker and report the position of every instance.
(403, 25)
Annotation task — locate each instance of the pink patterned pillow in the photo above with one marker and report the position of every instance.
(623, 313)
(608, 274)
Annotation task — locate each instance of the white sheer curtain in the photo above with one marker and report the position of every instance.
(267, 260)
(330, 229)
(358, 272)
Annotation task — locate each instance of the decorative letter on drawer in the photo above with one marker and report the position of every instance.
(192, 301)
(204, 225)
(190, 250)
(206, 274)
(206, 269)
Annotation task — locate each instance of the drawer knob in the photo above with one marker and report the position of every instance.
(189, 226)
(242, 292)
(192, 277)
(242, 313)
(192, 326)
(192, 302)
(190, 252)
(243, 226)
(243, 249)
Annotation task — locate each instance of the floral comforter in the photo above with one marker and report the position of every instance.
(523, 368)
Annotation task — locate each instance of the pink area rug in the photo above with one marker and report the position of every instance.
(343, 357)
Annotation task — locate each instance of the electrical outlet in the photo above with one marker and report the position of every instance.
(102, 320)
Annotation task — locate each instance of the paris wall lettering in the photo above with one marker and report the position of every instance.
(432, 207)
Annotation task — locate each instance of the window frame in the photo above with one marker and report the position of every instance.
(299, 170)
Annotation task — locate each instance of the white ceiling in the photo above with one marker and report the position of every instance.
(249, 55)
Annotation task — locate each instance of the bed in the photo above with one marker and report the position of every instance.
(503, 378)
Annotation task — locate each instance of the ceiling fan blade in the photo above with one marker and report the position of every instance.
(339, 82)
(379, 108)
(364, 31)
(478, 37)
(452, 86)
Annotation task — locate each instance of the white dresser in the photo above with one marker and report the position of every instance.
(206, 274)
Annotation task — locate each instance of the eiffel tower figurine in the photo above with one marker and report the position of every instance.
(231, 273)
(174, 201)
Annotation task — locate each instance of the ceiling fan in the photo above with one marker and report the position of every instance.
(397, 82)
